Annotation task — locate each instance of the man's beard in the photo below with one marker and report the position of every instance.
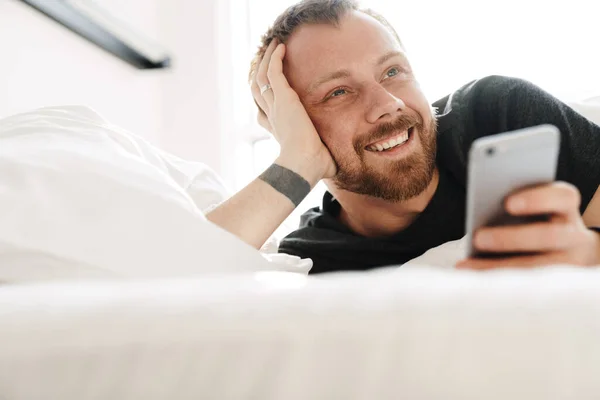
(402, 179)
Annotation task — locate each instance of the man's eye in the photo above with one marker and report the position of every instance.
(392, 72)
(338, 92)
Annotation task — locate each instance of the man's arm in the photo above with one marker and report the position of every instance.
(256, 212)
(499, 104)
(579, 159)
(564, 239)
(505, 104)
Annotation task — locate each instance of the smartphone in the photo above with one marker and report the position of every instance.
(502, 164)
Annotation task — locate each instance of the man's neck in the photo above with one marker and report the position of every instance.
(372, 217)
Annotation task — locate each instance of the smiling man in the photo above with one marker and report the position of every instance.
(335, 87)
(344, 76)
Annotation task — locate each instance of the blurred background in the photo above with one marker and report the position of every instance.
(200, 107)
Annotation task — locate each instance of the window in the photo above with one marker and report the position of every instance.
(450, 43)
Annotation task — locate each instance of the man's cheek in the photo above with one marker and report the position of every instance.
(332, 139)
(414, 99)
(323, 128)
(335, 130)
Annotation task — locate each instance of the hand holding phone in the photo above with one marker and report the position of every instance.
(504, 164)
(517, 214)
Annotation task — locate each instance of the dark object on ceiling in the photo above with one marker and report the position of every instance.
(88, 20)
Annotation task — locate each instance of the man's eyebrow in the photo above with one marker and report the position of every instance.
(389, 55)
(345, 73)
(342, 73)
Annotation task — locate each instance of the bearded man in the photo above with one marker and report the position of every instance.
(335, 87)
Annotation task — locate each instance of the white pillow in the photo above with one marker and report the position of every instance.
(82, 198)
(589, 108)
(198, 180)
(445, 255)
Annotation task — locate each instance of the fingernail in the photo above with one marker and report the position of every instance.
(516, 204)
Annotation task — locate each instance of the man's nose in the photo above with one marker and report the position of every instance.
(383, 105)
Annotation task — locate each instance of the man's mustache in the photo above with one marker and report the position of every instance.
(385, 129)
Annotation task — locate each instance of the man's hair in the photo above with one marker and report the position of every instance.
(311, 12)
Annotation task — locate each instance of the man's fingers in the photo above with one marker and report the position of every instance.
(261, 73)
(261, 76)
(268, 97)
(513, 262)
(535, 237)
(275, 72)
(264, 121)
(556, 198)
(258, 99)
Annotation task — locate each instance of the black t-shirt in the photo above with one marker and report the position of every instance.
(483, 107)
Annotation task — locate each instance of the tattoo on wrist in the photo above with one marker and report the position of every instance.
(286, 182)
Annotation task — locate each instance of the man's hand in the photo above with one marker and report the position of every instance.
(255, 212)
(285, 117)
(563, 240)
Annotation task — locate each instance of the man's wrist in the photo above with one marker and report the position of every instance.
(305, 167)
(286, 182)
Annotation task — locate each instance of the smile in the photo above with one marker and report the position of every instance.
(390, 143)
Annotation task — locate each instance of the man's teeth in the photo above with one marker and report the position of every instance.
(393, 142)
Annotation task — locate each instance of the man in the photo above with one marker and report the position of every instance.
(336, 89)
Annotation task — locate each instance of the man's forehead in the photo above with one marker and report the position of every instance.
(320, 49)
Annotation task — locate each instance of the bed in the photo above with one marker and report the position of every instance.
(417, 333)
(101, 302)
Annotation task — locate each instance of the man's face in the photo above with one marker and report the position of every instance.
(359, 90)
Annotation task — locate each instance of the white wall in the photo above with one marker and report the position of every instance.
(45, 64)
(178, 109)
(191, 124)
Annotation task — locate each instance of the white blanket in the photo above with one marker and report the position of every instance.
(81, 198)
(415, 334)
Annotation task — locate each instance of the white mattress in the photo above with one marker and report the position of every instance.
(415, 333)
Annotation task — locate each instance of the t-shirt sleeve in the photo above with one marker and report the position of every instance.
(498, 104)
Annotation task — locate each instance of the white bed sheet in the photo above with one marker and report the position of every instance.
(418, 333)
